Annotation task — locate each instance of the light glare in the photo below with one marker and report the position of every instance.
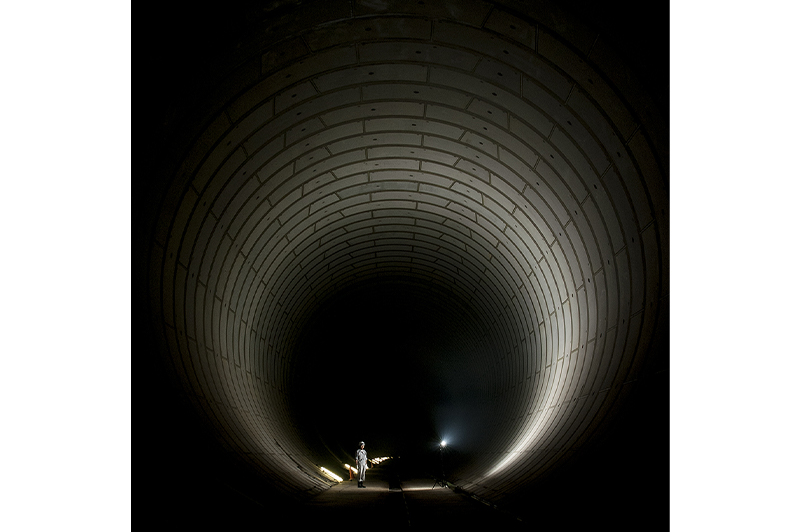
(331, 474)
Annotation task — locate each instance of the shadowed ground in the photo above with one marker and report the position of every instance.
(395, 498)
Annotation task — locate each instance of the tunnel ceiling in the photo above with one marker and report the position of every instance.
(488, 174)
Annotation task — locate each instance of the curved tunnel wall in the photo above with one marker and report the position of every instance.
(503, 157)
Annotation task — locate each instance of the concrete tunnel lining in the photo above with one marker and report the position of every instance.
(476, 151)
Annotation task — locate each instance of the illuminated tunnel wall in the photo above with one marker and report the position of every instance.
(477, 188)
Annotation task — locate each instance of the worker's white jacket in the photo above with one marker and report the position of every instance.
(361, 456)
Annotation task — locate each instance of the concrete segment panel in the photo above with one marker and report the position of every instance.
(634, 186)
(539, 205)
(294, 95)
(359, 184)
(321, 105)
(305, 130)
(415, 92)
(652, 176)
(234, 215)
(500, 74)
(378, 28)
(571, 268)
(520, 266)
(286, 54)
(637, 273)
(589, 80)
(559, 178)
(573, 164)
(527, 143)
(322, 180)
(418, 52)
(468, 11)
(521, 242)
(611, 139)
(513, 27)
(375, 109)
(425, 126)
(606, 229)
(480, 142)
(587, 235)
(309, 158)
(521, 163)
(378, 139)
(489, 112)
(535, 225)
(577, 244)
(653, 271)
(410, 153)
(366, 74)
(542, 81)
(619, 205)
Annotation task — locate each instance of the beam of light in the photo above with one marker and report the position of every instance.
(444, 443)
(331, 474)
(350, 468)
(532, 433)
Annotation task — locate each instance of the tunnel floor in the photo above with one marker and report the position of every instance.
(396, 500)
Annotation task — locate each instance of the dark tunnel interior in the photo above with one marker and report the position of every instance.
(413, 359)
(402, 222)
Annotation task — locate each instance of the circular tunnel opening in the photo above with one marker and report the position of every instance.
(451, 226)
(407, 351)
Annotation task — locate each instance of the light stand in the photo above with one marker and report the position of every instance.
(441, 481)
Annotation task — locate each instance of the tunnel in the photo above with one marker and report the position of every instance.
(403, 222)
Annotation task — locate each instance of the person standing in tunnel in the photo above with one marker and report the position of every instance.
(361, 461)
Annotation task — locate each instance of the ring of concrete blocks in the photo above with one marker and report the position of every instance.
(475, 150)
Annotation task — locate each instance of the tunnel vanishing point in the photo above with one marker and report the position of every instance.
(398, 221)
